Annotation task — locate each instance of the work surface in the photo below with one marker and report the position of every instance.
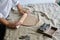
(24, 2)
(52, 10)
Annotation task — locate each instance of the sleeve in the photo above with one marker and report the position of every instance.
(15, 2)
(1, 15)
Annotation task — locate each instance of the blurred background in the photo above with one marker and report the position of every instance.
(58, 1)
(24, 2)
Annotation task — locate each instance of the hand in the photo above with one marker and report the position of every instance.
(12, 25)
(22, 19)
(24, 11)
(19, 23)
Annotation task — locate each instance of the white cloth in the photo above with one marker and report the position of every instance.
(25, 2)
(5, 7)
(1, 16)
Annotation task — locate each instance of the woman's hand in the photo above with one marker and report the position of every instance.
(12, 25)
(23, 11)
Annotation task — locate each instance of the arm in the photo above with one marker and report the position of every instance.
(4, 21)
(8, 24)
(21, 9)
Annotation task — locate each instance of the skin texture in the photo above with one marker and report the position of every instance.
(21, 10)
(14, 23)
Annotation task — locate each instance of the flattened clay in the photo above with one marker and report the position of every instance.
(31, 20)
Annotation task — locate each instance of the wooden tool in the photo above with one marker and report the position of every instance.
(47, 32)
(22, 19)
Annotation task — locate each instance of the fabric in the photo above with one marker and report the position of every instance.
(25, 2)
(6, 5)
(1, 16)
(2, 31)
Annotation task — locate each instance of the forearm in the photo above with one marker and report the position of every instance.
(4, 21)
(20, 8)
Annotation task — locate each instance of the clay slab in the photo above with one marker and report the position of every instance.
(30, 20)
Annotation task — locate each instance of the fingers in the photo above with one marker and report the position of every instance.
(25, 11)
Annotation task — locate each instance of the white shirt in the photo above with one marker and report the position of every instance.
(5, 7)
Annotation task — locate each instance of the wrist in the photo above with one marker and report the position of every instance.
(4, 21)
(7, 23)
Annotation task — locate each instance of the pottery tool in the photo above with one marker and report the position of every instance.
(22, 19)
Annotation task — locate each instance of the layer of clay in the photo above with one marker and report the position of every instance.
(30, 20)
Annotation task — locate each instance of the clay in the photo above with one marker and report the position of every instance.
(30, 20)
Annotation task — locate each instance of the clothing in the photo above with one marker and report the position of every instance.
(5, 7)
(2, 31)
